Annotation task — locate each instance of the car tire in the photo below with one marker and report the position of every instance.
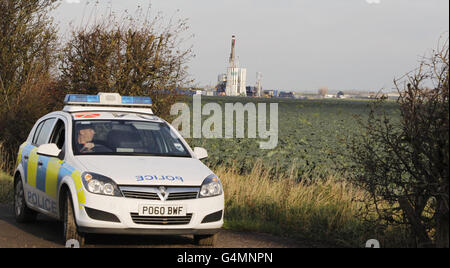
(205, 240)
(22, 213)
(70, 229)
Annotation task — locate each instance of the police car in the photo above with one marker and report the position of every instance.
(107, 164)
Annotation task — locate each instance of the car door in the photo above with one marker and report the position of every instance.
(35, 167)
(58, 137)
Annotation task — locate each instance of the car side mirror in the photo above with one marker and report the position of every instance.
(201, 153)
(50, 150)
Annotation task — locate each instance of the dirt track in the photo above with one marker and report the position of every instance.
(45, 232)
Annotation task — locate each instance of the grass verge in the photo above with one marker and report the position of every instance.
(6, 188)
(324, 211)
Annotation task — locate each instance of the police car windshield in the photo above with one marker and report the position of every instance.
(121, 137)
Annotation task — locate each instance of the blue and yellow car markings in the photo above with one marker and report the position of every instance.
(64, 170)
(19, 156)
(42, 172)
(52, 177)
(32, 167)
(76, 175)
(67, 170)
(48, 176)
(26, 149)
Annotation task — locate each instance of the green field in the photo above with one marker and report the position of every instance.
(266, 190)
(312, 133)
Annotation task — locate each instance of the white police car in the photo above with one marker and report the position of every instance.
(106, 164)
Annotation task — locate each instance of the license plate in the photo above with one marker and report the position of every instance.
(162, 210)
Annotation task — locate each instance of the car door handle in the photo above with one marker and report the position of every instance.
(40, 163)
(26, 157)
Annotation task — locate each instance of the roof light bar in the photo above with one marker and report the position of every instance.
(107, 99)
(137, 100)
(78, 98)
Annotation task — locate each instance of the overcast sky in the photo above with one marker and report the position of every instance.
(299, 44)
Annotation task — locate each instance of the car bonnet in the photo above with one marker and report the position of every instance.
(147, 170)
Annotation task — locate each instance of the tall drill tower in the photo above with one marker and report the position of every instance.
(258, 84)
(236, 76)
(233, 52)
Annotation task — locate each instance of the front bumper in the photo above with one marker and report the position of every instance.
(123, 208)
(132, 231)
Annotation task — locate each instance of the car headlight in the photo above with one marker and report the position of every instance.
(211, 186)
(98, 184)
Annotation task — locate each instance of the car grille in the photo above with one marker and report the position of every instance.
(151, 193)
(182, 196)
(141, 195)
(157, 220)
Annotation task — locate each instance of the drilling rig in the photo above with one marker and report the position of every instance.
(236, 76)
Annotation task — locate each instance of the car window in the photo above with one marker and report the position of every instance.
(44, 132)
(36, 133)
(59, 134)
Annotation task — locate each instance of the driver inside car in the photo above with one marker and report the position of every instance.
(85, 138)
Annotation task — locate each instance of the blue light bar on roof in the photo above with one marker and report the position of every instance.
(107, 99)
(137, 100)
(78, 98)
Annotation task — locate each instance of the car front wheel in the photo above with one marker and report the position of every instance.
(70, 226)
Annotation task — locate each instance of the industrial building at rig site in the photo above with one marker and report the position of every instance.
(236, 77)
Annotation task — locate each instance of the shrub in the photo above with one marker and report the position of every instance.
(35, 99)
(132, 56)
(405, 163)
(27, 56)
